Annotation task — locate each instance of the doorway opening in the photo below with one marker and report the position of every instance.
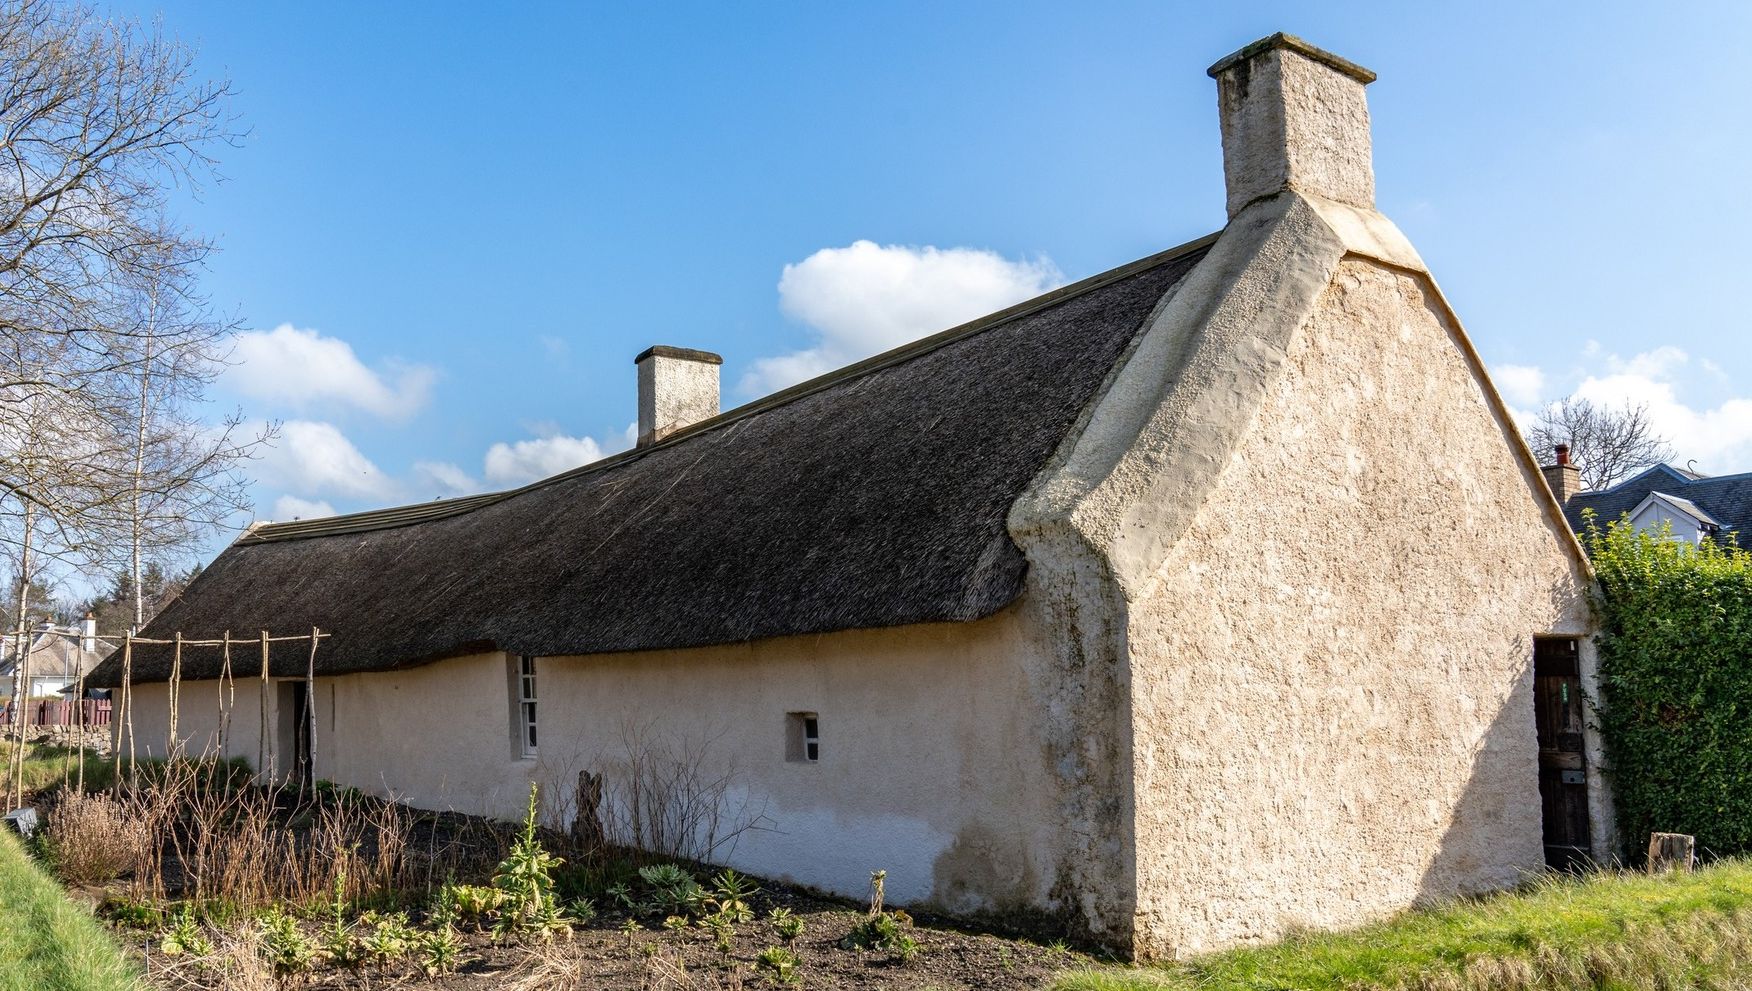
(295, 730)
(1563, 766)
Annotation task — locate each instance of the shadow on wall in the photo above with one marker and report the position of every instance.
(1495, 835)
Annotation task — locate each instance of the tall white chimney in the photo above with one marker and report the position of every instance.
(88, 634)
(1294, 117)
(678, 387)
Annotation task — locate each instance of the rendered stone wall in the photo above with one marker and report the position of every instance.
(1331, 671)
(932, 767)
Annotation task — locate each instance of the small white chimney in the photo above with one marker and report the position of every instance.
(678, 387)
(1294, 117)
(88, 634)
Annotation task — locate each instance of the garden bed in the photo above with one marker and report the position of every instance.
(603, 955)
(210, 882)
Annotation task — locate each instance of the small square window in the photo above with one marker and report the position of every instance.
(802, 737)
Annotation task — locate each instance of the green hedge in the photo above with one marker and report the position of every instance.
(1676, 685)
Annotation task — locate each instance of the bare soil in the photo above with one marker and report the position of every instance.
(602, 955)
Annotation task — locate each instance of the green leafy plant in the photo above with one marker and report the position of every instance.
(621, 895)
(723, 936)
(133, 914)
(779, 963)
(284, 946)
(440, 951)
(632, 929)
(581, 911)
(441, 909)
(474, 903)
(787, 924)
(676, 924)
(670, 891)
(339, 947)
(390, 940)
(525, 878)
(887, 931)
(185, 937)
(731, 896)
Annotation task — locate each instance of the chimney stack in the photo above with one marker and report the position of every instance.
(1294, 117)
(1564, 478)
(88, 634)
(678, 387)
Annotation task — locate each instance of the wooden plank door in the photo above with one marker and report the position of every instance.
(1563, 769)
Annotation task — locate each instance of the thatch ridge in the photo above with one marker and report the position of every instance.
(873, 496)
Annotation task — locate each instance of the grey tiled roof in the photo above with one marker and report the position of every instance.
(1727, 498)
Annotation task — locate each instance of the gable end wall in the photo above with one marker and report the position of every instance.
(1331, 669)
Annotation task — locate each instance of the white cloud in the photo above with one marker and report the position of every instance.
(303, 369)
(866, 298)
(293, 508)
(1521, 385)
(1718, 437)
(442, 478)
(527, 460)
(315, 457)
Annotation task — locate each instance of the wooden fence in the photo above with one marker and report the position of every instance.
(45, 712)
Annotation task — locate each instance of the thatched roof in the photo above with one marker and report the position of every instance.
(875, 496)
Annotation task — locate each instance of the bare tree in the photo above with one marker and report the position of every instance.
(98, 119)
(1607, 444)
(180, 474)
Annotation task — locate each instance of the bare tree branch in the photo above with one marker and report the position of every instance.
(1607, 444)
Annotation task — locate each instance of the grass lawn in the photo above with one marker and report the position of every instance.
(46, 942)
(1609, 932)
(45, 766)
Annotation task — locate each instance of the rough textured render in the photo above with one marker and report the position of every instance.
(677, 388)
(1294, 118)
(1332, 684)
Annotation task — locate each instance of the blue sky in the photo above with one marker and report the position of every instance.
(451, 227)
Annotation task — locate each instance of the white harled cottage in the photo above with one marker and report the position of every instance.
(1188, 604)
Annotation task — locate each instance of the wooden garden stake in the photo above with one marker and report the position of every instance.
(262, 740)
(310, 699)
(170, 745)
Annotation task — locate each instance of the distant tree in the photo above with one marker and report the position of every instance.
(1607, 443)
(114, 608)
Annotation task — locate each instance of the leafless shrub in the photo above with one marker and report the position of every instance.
(94, 839)
(200, 829)
(673, 796)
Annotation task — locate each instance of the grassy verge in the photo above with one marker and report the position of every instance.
(47, 766)
(1608, 932)
(46, 942)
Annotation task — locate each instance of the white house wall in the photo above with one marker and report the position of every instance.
(931, 766)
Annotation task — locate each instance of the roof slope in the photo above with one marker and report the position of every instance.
(876, 496)
(1727, 498)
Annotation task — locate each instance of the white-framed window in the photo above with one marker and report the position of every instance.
(526, 705)
(802, 737)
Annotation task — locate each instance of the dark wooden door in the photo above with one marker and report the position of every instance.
(1563, 769)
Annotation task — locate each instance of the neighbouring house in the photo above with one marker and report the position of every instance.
(1698, 507)
(1190, 604)
(59, 657)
